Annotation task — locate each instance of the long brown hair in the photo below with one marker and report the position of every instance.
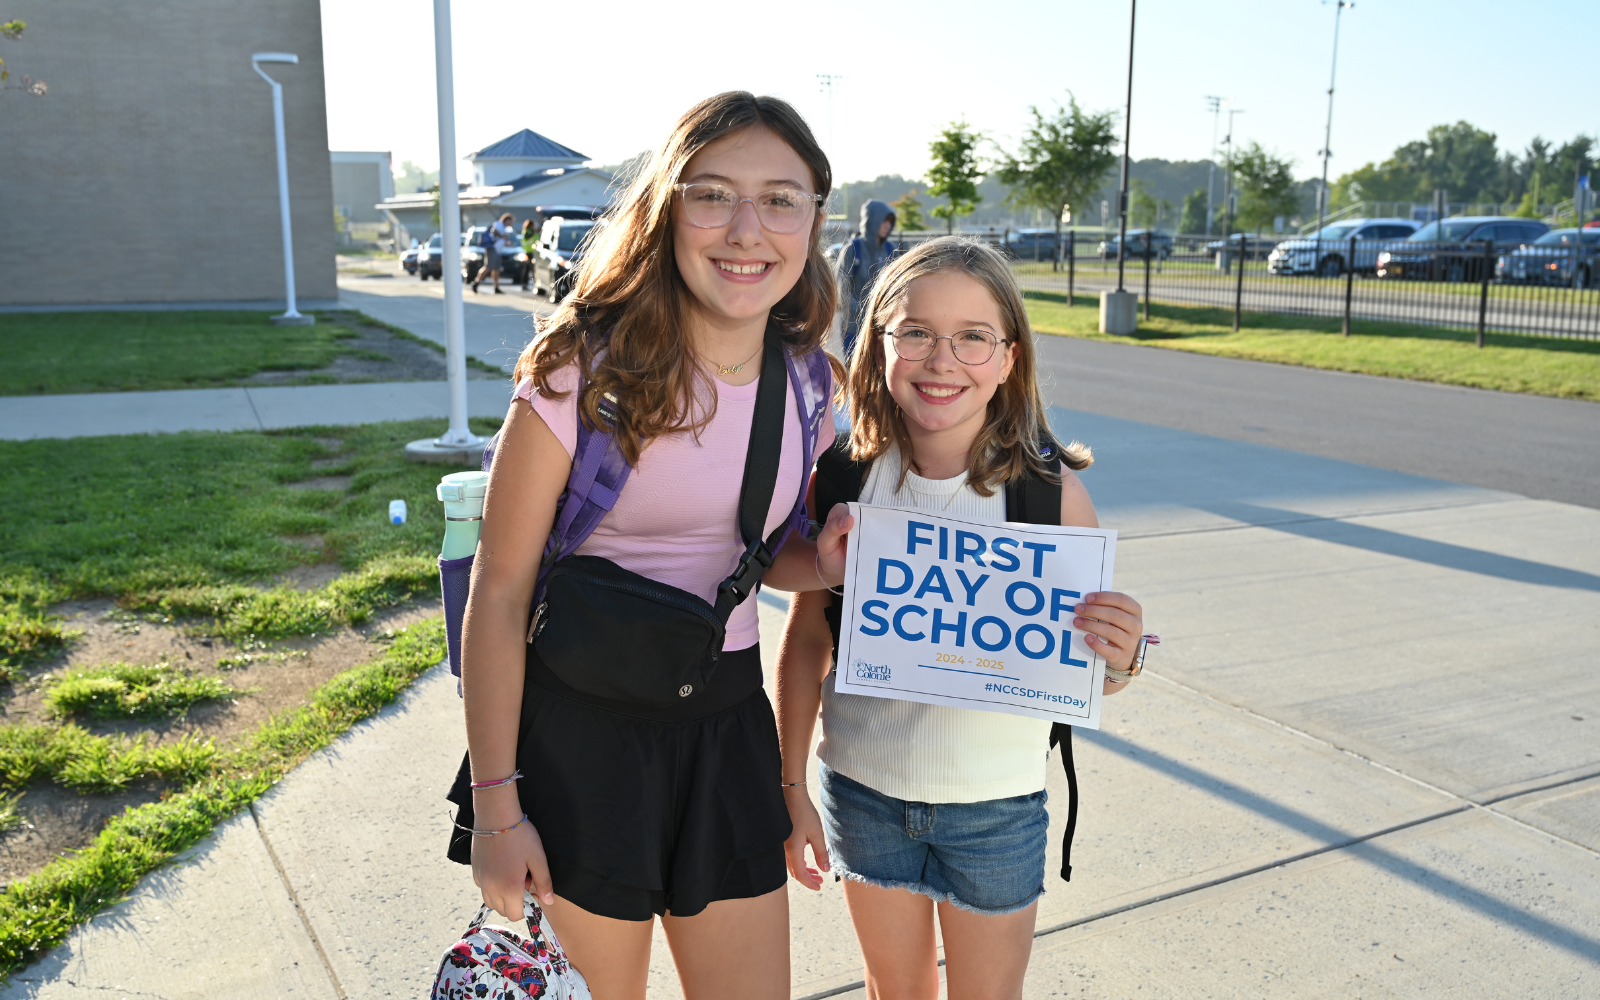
(1008, 445)
(630, 302)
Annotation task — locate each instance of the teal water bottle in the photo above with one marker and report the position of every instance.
(462, 493)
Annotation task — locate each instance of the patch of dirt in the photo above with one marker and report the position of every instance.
(338, 484)
(374, 355)
(270, 678)
(305, 578)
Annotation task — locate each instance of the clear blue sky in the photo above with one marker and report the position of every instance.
(608, 79)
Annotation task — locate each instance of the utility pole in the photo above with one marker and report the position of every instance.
(1227, 174)
(1327, 135)
(825, 82)
(1119, 310)
(1215, 105)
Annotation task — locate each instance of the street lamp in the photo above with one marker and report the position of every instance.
(457, 445)
(1227, 176)
(1327, 134)
(1119, 309)
(292, 317)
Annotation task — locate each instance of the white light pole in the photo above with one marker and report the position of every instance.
(1327, 136)
(458, 444)
(292, 317)
(1215, 104)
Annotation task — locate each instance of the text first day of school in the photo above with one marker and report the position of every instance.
(946, 611)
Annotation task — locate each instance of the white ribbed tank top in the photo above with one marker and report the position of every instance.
(931, 753)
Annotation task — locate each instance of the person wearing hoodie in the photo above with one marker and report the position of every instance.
(859, 262)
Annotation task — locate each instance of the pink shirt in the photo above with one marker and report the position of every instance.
(677, 520)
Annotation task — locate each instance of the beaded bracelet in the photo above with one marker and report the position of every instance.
(816, 562)
(490, 833)
(476, 785)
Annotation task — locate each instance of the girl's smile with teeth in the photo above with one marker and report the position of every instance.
(759, 267)
(940, 391)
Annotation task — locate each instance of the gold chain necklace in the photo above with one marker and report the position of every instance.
(736, 369)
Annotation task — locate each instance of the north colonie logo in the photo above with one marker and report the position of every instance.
(865, 671)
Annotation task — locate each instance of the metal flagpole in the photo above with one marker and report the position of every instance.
(458, 444)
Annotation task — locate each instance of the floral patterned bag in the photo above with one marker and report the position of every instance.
(493, 963)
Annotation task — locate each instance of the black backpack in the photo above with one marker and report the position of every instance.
(1029, 500)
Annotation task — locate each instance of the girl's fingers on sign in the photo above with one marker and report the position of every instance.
(1112, 623)
(831, 544)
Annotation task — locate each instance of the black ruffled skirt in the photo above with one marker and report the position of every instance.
(644, 810)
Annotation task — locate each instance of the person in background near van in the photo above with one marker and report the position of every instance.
(502, 242)
(860, 260)
(530, 241)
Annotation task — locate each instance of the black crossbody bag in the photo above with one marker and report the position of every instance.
(611, 633)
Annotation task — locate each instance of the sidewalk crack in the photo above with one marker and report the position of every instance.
(260, 424)
(299, 909)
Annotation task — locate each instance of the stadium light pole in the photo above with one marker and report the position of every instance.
(1119, 310)
(291, 317)
(1215, 104)
(458, 444)
(1327, 136)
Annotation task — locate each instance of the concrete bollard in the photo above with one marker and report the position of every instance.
(1119, 313)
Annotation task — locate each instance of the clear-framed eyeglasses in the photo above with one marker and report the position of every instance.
(781, 210)
(971, 347)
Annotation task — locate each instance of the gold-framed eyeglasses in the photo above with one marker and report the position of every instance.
(971, 347)
(781, 210)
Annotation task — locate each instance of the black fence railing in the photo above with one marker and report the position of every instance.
(1480, 286)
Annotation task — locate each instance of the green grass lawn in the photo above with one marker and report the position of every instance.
(1545, 366)
(191, 528)
(125, 351)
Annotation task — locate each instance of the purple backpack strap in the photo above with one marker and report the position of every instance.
(599, 472)
(812, 378)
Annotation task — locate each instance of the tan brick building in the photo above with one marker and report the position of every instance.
(148, 172)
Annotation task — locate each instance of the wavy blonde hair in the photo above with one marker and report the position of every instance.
(1008, 445)
(629, 305)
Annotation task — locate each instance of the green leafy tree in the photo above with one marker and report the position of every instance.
(413, 178)
(955, 173)
(908, 212)
(1266, 188)
(1062, 160)
(1194, 212)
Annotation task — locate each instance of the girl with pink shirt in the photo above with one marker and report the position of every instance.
(629, 810)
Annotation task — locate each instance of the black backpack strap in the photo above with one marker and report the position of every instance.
(1035, 500)
(761, 461)
(839, 480)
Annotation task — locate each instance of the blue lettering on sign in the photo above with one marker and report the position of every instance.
(869, 611)
(934, 583)
(876, 672)
(1066, 650)
(1038, 598)
(944, 542)
(997, 553)
(959, 628)
(884, 566)
(977, 633)
(1049, 642)
(970, 586)
(913, 539)
(1038, 549)
(1057, 605)
(899, 627)
(970, 544)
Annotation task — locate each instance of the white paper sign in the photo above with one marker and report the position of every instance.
(946, 611)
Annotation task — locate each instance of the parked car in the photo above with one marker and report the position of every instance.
(1558, 257)
(1452, 249)
(408, 259)
(513, 267)
(1032, 244)
(561, 245)
(1255, 247)
(430, 258)
(1160, 245)
(1324, 253)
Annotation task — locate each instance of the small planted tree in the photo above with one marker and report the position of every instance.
(1194, 212)
(908, 211)
(1266, 188)
(955, 173)
(1062, 160)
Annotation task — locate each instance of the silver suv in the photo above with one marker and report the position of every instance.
(1327, 257)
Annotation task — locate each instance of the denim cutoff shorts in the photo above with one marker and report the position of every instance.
(984, 857)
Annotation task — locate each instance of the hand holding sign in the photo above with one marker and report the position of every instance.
(832, 546)
(946, 611)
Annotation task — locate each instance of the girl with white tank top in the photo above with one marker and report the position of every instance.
(926, 806)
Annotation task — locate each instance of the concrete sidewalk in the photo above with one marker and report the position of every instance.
(1364, 764)
(256, 408)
